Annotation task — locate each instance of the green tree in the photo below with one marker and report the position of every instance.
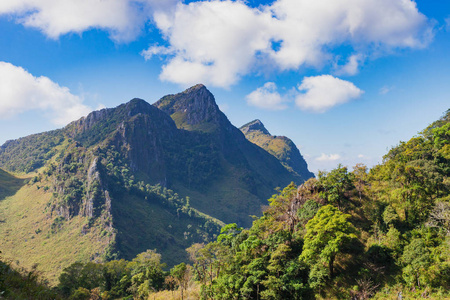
(181, 274)
(326, 235)
(147, 273)
(360, 176)
(417, 260)
(336, 186)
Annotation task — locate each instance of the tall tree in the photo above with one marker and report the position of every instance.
(326, 235)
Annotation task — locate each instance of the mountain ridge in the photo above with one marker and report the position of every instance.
(280, 147)
(136, 175)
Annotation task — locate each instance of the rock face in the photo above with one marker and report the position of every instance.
(279, 146)
(193, 109)
(254, 126)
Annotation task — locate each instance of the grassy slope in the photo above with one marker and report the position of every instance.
(275, 146)
(9, 184)
(180, 119)
(221, 199)
(144, 224)
(27, 238)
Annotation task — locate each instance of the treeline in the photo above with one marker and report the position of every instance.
(115, 279)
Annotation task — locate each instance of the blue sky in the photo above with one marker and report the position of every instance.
(344, 79)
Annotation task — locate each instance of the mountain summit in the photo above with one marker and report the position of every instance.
(193, 109)
(279, 146)
(254, 126)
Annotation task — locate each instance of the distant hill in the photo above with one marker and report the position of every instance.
(131, 178)
(279, 146)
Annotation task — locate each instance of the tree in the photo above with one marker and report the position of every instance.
(417, 260)
(336, 185)
(147, 274)
(205, 261)
(440, 217)
(326, 235)
(181, 274)
(360, 174)
(89, 276)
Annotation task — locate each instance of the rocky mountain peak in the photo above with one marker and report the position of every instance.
(255, 125)
(137, 105)
(192, 109)
(281, 147)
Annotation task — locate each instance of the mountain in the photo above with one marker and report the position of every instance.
(243, 175)
(96, 190)
(136, 177)
(279, 146)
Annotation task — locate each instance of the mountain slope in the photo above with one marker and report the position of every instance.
(133, 178)
(279, 146)
(242, 170)
(103, 180)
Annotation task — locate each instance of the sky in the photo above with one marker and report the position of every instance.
(346, 80)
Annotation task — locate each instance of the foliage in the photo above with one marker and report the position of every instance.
(327, 234)
(138, 278)
(29, 153)
(19, 283)
(336, 186)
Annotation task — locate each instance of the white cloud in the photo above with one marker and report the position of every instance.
(447, 23)
(320, 93)
(20, 91)
(217, 42)
(329, 157)
(214, 42)
(352, 65)
(124, 19)
(386, 89)
(266, 97)
(156, 50)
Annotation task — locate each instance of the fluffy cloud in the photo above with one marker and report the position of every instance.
(266, 97)
(20, 91)
(122, 18)
(316, 94)
(217, 42)
(320, 93)
(328, 157)
(351, 67)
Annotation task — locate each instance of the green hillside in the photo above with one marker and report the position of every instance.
(9, 184)
(126, 179)
(32, 235)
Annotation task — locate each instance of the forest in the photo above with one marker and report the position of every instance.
(350, 233)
